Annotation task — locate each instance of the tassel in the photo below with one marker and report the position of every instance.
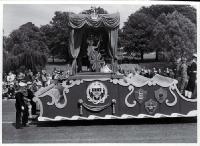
(113, 106)
(80, 101)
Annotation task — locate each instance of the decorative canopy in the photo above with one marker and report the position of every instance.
(110, 21)
(80, 23)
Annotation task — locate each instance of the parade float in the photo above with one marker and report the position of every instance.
(100, 95)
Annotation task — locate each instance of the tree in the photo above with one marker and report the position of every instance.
(137, 32)
(175, 34)
(155, 11)
(25, 47)
(57, 35)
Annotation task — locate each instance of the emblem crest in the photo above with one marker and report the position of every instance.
(140, 95)
(151, 106)
(96, 92)
(160, 95)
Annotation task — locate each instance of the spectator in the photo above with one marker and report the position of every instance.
(171, 73)
(44, 78)
(154, 71)
(32, 106)
(176, 69)
(149, 74)
(166, 72)
(183, 75)
(10, 77)
(159, 71)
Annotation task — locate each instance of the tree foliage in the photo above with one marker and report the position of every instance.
(57, 35)
(25, 47)
(175, 34)
(137, 33)
(155, 11)
(167, 28)
(98, 10)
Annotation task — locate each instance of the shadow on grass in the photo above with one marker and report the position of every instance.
(115, 122)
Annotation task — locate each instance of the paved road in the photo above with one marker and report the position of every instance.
(123, 131)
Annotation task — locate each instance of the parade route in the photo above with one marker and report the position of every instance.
(99, 131)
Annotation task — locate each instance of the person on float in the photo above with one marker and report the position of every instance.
(192, 72)
(91, 49)
(183, 75)
(21, 106)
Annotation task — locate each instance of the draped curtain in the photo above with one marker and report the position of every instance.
(113, 39)
(75, 41)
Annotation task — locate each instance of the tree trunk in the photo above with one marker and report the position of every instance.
(157, 53)
(142, 54)
(53, 57)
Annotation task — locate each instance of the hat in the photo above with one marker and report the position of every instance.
(22, 84)
(39, 83)
(29, 83)
(184, 59)
(194, 55)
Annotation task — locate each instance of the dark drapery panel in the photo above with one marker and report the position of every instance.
(113, 40)
(75, 41)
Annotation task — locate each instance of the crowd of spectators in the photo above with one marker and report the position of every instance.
(12, 82)
(182, 71)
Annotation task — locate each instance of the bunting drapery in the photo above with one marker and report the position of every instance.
(110, 21)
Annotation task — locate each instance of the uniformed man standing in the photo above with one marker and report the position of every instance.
(192, 72)
(21, 107)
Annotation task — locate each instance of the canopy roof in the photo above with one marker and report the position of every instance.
(110, 21)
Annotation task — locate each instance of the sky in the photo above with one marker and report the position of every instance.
(14, 15)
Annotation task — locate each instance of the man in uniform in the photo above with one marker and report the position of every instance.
(192, 72)
(21, 107)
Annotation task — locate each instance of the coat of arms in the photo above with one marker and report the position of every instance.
(97, 92)
(140, 95)
(151, 106)
(161, 95)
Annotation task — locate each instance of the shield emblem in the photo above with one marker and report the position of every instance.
(97, 92)
(160, 95)
(140, 95)
(151, 106)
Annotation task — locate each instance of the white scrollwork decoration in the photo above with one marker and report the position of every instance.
(131, 88)
(184, 98)
(120, 82)
(55, 95)
(174, 95)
